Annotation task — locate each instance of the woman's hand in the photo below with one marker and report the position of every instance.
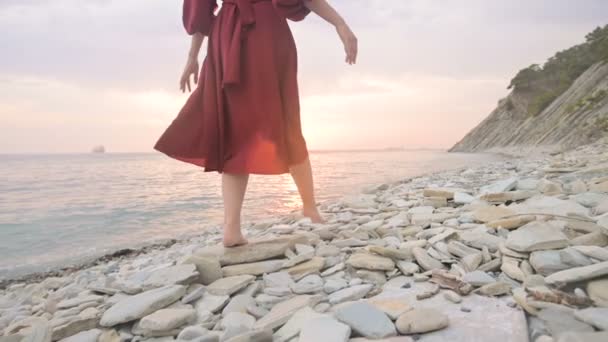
(190, 69)
(350, 42)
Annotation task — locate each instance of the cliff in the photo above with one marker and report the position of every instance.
(562, 105)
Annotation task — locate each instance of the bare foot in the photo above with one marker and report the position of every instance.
(234, 241)
(314, 215)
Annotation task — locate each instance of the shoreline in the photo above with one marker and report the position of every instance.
(121, 253)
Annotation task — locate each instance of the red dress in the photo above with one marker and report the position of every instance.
(244, 115)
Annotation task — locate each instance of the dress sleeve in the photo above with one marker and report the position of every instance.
(198, 15)
(292, 9)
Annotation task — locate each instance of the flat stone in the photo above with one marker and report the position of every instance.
(333, 285)
(551, 261)
(420, 321)
(235, 324)
(86, 320)
(438, 192)
(393, 253)
(253, 251)
(500, 186)
(238, 303)
(597, 317)
(254, 268)
(209, 269)
(191, 333)
(83, 336)
(309, 284)
(594, 252)
(211, 303)
(478, 278)
(371, 262)
(559, 321)
(366, 320)
(350, 242)
(283, 311)
(38, 330)
(392, 305)
(578, 274)
(463, 198)
(325, 329)
(549, 205)
(536, 236)
(229, 285)
(425, 260)
(461, 250)
(251, 336)
(178, 274)
(498, 288)
(598, 291)
(314, 265)
(511, 223)
(572, 336)
(480, 239)
(491, 213)
(349, 294)
(140, 305)
(277, 279)
(167, 319)
(72, 302)
(408, 267)
(295, 324)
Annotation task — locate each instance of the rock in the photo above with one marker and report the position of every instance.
(309, 284)
(511, 223)
(597, 317)
(252, 336)
(236, 323)
(393, 305)
(239, 303)
(253, 251)
(460, 250)
(592, 239)
(436, 202)
(84, 336)
(407, 267)
(228, 286)
(348, 294)
(480, 239)
(295, 324)
(192, 333)
(366, 320)
(420, 321)
(463, 198)
(498, 288)
(500, 186)
(452, 297)
(194, 292)
(208, 268)
(536, 236)
(572, 336)
(549, 205)
(350, 242)
(374, 277)
(314, 265)
(278, 279)
(333, 285)
(594, 252)
(578, 274)
(283, 311)
(39, 331)
(399, 254)
(211, 303)
(371, 262)
(109, 336)
(327, 251)
(425, 261)
(179, 274)
(85, 320)
(142, 304)
(598, 291)
(471, 262)
(549, 262)
(69, 303)
(442, 193)
(559, 321)
(491, 213)
(478, 278)
(324, 329)
(254, 268)
(166, 320)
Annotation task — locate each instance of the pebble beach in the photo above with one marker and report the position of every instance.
(512, 250)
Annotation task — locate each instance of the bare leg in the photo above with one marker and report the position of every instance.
(233, 191)
(302, 176)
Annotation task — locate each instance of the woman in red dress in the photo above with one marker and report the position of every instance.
(244, 115)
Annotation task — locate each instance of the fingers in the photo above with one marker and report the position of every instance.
(196, 77)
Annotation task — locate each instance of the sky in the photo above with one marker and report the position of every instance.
(75, 74)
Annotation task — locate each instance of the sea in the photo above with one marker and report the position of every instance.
(59, 209)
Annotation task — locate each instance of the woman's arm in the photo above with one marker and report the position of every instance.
(329, 14)
(192, 63)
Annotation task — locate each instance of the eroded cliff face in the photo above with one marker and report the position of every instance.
(578, 116)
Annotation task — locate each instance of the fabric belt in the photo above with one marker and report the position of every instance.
(232, 67)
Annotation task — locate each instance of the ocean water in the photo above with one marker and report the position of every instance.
(58, 209)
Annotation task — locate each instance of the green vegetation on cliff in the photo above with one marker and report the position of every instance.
(543, 84)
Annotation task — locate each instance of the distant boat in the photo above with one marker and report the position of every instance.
(99, 149)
